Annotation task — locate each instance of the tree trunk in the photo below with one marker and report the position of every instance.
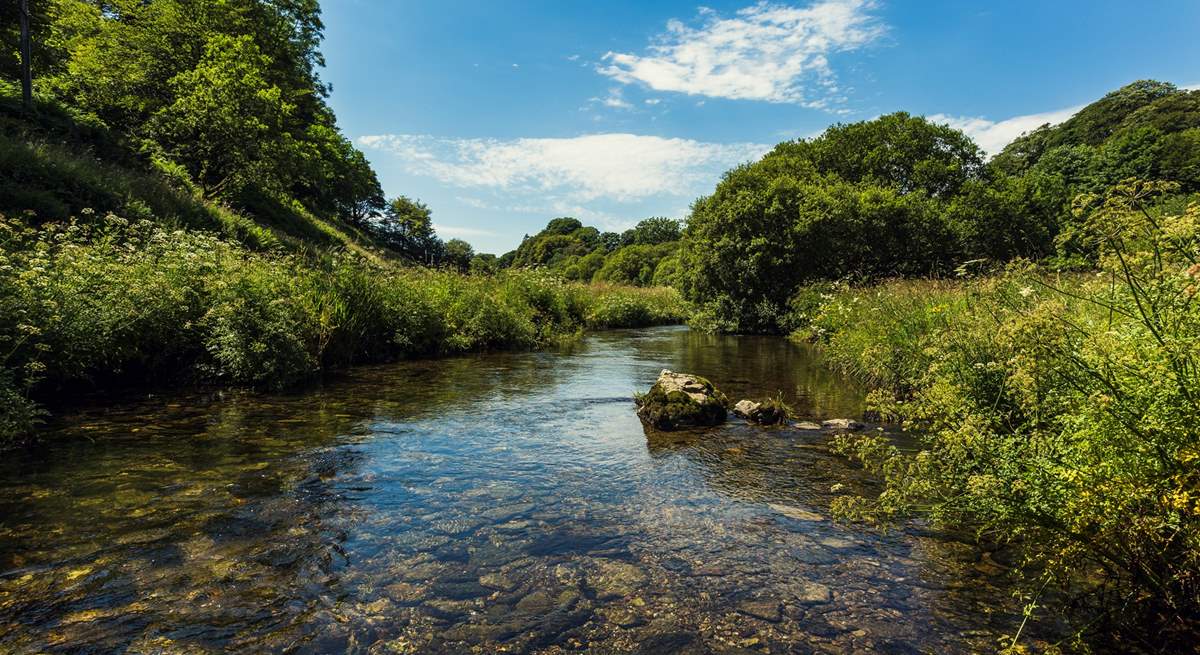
(26, 55)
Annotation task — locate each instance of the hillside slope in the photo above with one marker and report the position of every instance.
(58, 163)
(1147, 129)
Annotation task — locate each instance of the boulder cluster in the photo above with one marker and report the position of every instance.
(684, 400)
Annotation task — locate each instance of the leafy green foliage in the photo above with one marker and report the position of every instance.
(221, 97)
(1145, 130)
(458, 255)
(899, 196)
(650, 232)
(105, 299)
(864, 200)
(407, 228)
(583, 253)
(634, 264)
(1057, 413)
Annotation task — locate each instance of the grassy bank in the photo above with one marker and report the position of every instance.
(1061, 413)
(104, 299)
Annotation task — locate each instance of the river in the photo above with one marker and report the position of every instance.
(502, 502)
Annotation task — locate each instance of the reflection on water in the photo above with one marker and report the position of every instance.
(503, 502)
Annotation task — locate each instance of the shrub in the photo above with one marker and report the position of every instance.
(1059, 414)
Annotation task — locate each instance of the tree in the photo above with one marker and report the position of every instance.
(228, 90)
(562, 239)
(864, 200)
(484, 264)
(337, 178)
(610, 241)
(652, 231)
(458, 255)
(907, 153)
(226, 121)
(634, 265)
(407, 227)
(583, 268)
(564, 225)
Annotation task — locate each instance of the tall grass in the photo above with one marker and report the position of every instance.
(105, 299)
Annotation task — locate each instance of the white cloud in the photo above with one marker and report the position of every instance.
(652, 101)
(770, 52)
(992, 136)
(614, 167)
(614, 100)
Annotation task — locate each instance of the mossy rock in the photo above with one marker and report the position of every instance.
(681, 400)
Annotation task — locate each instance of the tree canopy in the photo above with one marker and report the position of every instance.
(228, 92)
(583, 253)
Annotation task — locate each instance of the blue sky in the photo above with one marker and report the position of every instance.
(503, 115)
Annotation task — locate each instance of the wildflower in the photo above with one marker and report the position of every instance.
(1026, 292)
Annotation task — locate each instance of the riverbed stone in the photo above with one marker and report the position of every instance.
(447, 610)
(842, 424)
(614, 579)
(536, 602)
(807, 592)
(796, 513)
(746, 408)
(622, 617)
(807, 425)
(497, 581)
(680, 400)
(767, 610)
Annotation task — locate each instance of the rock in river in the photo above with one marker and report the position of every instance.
(842, 424)
(679, 400)
(768, 413)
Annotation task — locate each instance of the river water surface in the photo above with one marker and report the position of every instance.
(499, 503)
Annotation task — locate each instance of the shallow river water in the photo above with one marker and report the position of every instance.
(499, 503)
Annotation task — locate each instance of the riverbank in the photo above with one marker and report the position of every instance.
(103, 299)
(1057, 411)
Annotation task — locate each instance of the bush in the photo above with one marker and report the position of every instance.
(1057, 414)
(611, 306)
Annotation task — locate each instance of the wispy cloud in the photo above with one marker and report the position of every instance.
(992, 136)
(614, 100)
(771, 52)
(613, 167)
